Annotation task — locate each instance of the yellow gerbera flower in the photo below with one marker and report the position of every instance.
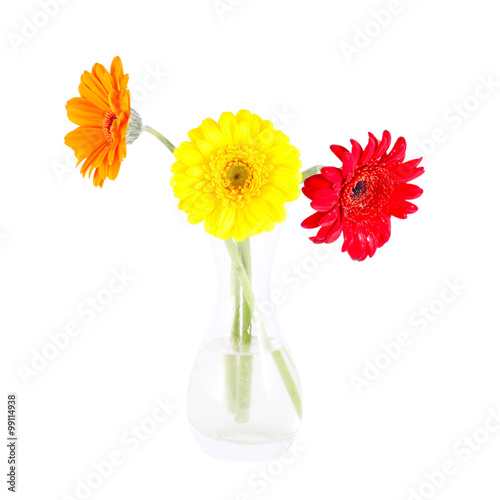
(102, 114)
(236, 174)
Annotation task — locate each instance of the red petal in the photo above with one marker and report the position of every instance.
(369, 150)
(410, 175)
(348, 165)
(383, 229)
(313, 184)
(338, 151)
(356, 151)
(384, 144)
(335, 231)
(333, 174)
(407, 171)
(355, 242)
(312, 221)
(398, 151)
(371, 242)
(401, 209)
(317, 181)
(324, 199)
(309, 191)
(373, 138)
(330, 217)
(407, 191)
(320, 237)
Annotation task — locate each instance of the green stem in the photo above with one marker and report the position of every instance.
(160, 137)
(311, 171)
(288, 380)
(247, 314)
(232, 359)
(246, 360)
(236, 292)
(248, 295)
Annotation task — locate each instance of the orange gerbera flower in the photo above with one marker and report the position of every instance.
(102, 114)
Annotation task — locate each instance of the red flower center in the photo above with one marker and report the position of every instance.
(107, 121)
(366, 193)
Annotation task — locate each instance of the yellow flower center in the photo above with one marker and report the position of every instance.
(237, 174)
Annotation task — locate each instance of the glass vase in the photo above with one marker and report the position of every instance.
(244, 397)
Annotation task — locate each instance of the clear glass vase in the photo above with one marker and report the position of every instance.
(244, 398)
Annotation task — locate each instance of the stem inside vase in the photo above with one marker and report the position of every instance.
(245, 359)
(239, 365)
(239, 369)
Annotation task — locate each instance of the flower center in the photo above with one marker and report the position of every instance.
(107, 121)
(236, 174)
(358, 189)
(366, 194)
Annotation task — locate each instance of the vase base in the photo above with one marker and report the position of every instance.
(241, 452)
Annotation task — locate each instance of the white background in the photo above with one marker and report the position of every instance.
(62, 238)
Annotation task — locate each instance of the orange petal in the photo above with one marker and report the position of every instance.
(83, 112)
(92, 97)
(91, 159)
(117, 69)
(83, 140)
(114, 168)
(114, 101)
(102, 74)
(93, 83)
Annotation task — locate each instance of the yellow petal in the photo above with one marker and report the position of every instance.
(265, 139)
(195, 135)
(214, 136)
(283, 155)
(205, 148)
(188, 154)
(243, 115)
(226, 222)
(227, 125)
(242, 134)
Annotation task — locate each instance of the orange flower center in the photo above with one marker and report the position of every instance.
(107, 121)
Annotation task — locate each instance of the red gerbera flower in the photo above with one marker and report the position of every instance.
(360, 198)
